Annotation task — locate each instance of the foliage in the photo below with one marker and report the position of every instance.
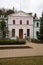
(9, 12)
(3, 27)
(11, 42)
(6, 12)
(0, 12)
(41, 28)
(36, 41)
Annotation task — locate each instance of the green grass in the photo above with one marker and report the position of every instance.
(22, 61)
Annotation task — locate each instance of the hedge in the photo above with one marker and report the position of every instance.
(36, 41)
(12, 42)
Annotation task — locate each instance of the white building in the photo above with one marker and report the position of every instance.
(20, 24)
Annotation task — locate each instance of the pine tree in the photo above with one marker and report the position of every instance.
(3, 26)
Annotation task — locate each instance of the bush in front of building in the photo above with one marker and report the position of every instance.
(12, 42)
(36, 41)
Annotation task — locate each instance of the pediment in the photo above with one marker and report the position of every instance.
(19, 13)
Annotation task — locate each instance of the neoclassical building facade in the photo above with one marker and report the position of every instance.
(20, 25)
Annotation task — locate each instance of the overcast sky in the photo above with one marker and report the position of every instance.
(34, 6)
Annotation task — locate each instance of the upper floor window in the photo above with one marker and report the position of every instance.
(37, 24)
(27, 22)
(20, 21)
(13, 21)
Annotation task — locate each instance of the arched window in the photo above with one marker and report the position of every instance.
(13, 21)
(21, 22)
(37, 24)
(27, 22)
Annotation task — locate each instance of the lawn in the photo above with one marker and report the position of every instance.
(37, 60)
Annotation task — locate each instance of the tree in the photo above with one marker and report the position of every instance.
(3, 27)
(41, 28)
(0, 12)
(9, 12)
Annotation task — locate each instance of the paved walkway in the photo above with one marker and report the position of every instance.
(36, 50)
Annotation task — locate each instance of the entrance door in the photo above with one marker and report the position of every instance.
(21, 33)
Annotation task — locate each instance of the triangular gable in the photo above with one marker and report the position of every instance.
(20, 13)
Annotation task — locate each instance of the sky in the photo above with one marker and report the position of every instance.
(34, 6)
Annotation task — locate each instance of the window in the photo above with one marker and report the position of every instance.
(28, 32)
(27, 22)
(37, 33)
(37, 24)
(20, 21)
(13, 32)
(13, 21)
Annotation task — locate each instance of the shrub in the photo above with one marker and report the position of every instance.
(22, 41)
(36, 41)
(12, 42)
